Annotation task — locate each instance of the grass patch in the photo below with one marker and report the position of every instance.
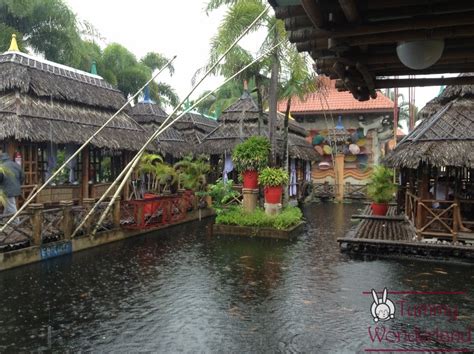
(290, 216)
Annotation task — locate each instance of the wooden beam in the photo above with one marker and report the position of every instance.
(387, 4)
(429, 71)
(417, 9)
(368, 78)
(390, 83)
(289, 11)
(399, 25)
(350, 10)
(297, 22)
(394, 37)
(312, 9)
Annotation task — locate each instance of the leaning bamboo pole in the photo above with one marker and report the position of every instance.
(32, 196)
(132, 164)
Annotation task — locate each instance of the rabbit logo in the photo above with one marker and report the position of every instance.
(382, 309)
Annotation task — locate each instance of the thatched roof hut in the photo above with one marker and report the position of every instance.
(446, 135)
(42, 101)
(195, 126)
(151, 116)
(240, 121)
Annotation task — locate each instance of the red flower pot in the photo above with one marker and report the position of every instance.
(150, 207)
(379, 209)
(273, 194)
(250, 179)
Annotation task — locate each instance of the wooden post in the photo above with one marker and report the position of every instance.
(419, 220)
(126, 189)
(85, 174)
(456, 221)
(88, 204)
(36, 222)
(339, 168)
(250, 197)
(423, 190)
(67, 223)
(116, 213)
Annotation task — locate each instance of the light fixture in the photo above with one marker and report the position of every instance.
(422, 54)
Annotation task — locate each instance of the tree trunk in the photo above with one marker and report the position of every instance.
(260, 104)
(285, 157)
(272, 116)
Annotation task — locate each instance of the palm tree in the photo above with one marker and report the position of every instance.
(284, 60)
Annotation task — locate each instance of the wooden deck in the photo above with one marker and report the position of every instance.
(394, 235)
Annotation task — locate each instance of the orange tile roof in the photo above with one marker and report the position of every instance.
(328, 99)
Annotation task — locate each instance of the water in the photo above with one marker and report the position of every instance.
(183, 291)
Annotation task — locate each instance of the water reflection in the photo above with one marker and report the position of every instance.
(184, 291)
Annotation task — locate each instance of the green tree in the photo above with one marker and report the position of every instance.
(287, 69)
(46, 26)
(122, 68)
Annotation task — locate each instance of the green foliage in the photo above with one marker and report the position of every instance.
(381, 187)
(4, 171)
(289, 216)
(222, 194)
(252, 154)
(193, 173)
(270, 176)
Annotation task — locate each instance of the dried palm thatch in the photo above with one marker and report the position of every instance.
(444, 139)
(42, 101)
(150, 116)
(449, 94)
(33, 119)
(240, 121)
(19, 71)
(194, 127)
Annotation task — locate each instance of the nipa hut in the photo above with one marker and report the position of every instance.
(47, 110)
(240, 121)
(195, 126)
(171, 143)
(436, 163)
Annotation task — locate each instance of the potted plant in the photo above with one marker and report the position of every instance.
(381, 189)
(273, 180)
(249, 157)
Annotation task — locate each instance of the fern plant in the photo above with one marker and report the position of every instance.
(381, 187)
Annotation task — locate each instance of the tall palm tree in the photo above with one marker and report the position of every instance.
(284, 60)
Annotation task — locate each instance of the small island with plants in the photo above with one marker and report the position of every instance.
(268, 219)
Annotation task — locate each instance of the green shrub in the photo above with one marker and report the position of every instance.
(289, 217)
(222, 194)
(270, 176)
(381, 187)
(252, 154)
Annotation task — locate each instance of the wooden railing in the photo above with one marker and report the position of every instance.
(428, 220)
(355, 191)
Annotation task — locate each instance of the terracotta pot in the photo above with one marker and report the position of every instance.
(250, 179)
(273, 194)
(150, 207)
(379, 209)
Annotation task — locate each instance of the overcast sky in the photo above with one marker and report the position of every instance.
(174, 27)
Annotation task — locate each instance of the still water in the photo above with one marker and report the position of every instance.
(185, 291)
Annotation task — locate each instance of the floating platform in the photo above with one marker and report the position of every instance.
(394, 235)
(261, 232)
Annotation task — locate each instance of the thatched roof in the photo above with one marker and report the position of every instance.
(444, 139)
(151, 116)
(42, 101)
(240, 121)
(449, 94)
(22, 72)
(194, 127)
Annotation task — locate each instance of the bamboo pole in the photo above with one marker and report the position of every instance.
(126, 172)
(82, 147)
